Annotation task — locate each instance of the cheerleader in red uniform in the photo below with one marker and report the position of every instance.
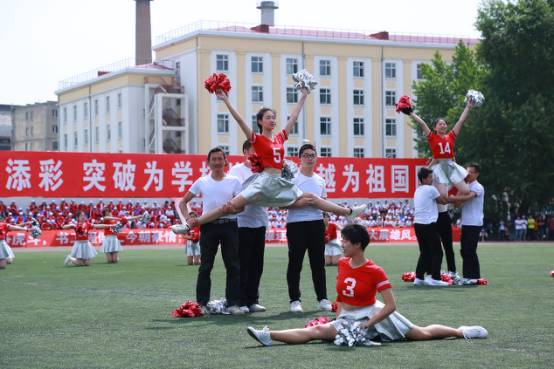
(359, 280)
(267, 188)
(333, 251)
(193, 244)
(82, 251)
(111, 245)
(6, 253)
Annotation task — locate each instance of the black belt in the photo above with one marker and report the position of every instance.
(223, 221)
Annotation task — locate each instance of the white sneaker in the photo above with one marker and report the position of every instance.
(325, 305)
(435, 283)
(419, 282)
(260, 335)
(356, 211)
(256, 308)
(180, 228)
(469, 282)
(235, 310)
(68, 261)
(296, 307)
(244, 309)
(473, 331)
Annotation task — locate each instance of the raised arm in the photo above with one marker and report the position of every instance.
(421, 123)
(17, 228)
(458, 126)
(297, 109)
(240, 120)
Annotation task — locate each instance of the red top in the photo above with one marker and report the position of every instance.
(108, 231)
(270, 152)
(195, 234)
(3, 230)
(358, 286)
(442, 146)
(81, 231)
(331, 232)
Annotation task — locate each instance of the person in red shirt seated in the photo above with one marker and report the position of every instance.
(358, 281)
(333, 251)
(82, 251)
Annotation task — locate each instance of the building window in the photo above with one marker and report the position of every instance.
(31, 116)
(95, 107)
(74, 113)
(292, 95)
(292, 65)
(108, 132)
(358, 127)
(292, 151)
(54, 145)
(86, 136)
(32, 134)
(358, 69)
(294, 129)
(26, 131)
(325, 96)
(255, 127)
(324, 67)
(390, 153)
(225, 149)
(325, 152)
(55, 129)
(390, 70)
(222, 123)
(257, 64)
(75, 139)
(257, 94)
(107, 104)
(390, 127)
(222, 63)
(65, 114)
(359, 97)
(419, 71)
(119, 130)
(390, 98)
(54, 113)
(65, 146)
(85, 110)
(97, 135)
(119, 101)
(26, 116)
(325, 125)
(359, 152)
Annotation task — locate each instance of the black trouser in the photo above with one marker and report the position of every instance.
(212, 235)
(469, 240)
(444, 226)
(251, 255)
(430, 251)
(302, 236)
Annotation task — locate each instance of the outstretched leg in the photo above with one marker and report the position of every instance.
(325, 332)
(328, 206)
(434, 331)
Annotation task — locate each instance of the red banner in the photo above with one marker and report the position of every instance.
(70, 175)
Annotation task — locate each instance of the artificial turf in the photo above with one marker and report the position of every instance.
(119, 315)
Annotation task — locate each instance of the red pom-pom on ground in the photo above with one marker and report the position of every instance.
(482, 282)
(408, 276)
(552, 273)
(446, 278)
(217, 81)
(189, 309)
(317, 321)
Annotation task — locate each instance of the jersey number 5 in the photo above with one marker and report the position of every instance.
(349, 289)
(276, 155)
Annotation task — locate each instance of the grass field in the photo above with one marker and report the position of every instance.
(118, 316)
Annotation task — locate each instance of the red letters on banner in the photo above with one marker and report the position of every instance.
(55, 174)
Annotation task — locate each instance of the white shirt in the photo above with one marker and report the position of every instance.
(216, 193)
(314, 184)
(253, 216)
(472, 210)
(426, 210)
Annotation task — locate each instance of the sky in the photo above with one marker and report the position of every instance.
(43, 42)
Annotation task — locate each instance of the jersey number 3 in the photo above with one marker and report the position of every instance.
(349, 288)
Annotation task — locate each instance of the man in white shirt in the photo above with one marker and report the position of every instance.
(216, 189)
(472, 222)
(306, 231)
(252, 223)
(426, 214)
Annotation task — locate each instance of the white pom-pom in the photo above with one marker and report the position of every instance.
(304, 79)
(475, 96)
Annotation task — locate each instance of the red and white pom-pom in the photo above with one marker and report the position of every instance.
(404, 105)
(317, 321)
(217, 81)
(482, 282)
(408, 276)
(189, 309)
(446, 278)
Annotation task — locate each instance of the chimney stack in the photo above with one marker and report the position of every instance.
(143, 35)
(268, 12)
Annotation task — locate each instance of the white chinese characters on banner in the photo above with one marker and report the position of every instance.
(376, 178)
(19, 174)
(124, 176)
(181, 172)
(156, 176)
(328, 174)
(204, 169)
(400, 178)
(352, 178)
(94, 174)
(51, 175)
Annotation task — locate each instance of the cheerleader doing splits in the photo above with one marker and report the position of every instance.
(445, 170)
(82, 251)
(358, 282)
(267, 188)
(6, 253)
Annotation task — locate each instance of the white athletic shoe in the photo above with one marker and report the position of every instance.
(235, 310)
(325, 305)
(244, 309)
(469, 282)
(260, 335)
(419, 282)
(68, 261)
(180, 228)
(435, 283)
(473, 331)
(256, 308)
(356, 211)
(296, 307)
